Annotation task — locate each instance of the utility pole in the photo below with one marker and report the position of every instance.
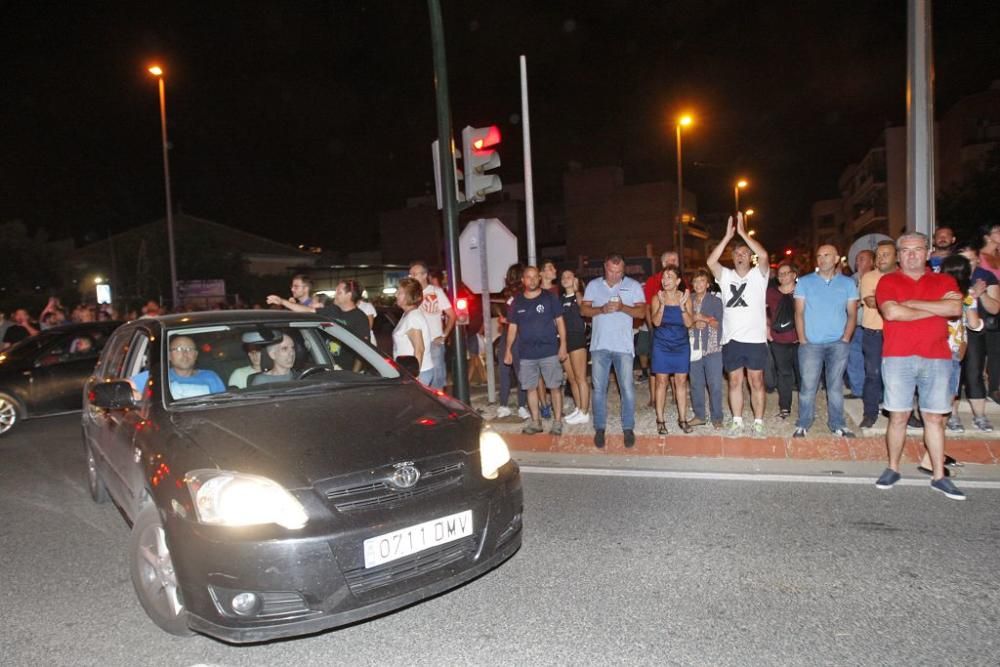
(919, 119)
(450, 209)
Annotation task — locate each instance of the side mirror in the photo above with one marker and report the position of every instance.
(410, 365)
(116, 395)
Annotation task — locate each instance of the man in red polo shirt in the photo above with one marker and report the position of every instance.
(916, 304)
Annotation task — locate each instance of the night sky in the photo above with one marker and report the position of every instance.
(301, 120)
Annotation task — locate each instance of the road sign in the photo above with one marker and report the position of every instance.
(501, 251)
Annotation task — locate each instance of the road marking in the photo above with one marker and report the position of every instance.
(737, 476)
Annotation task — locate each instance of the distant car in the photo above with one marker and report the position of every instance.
(341, 490)
(43, 375)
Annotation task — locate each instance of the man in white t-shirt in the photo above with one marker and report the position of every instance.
(440, 319)
(744, 321)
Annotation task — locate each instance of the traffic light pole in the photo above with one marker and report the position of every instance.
(461, 377)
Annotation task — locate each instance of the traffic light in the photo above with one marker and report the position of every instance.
(462, 310)
(480, 155)
(459, 195)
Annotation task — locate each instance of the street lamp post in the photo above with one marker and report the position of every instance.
(157, 71)
(682, 121)
(740, 184)
(748, 214)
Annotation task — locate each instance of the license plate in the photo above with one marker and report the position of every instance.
(406, 541)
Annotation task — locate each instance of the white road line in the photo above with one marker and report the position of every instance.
(738, 476)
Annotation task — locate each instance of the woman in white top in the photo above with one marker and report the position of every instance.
(411, 337)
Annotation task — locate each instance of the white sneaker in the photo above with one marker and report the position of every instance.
(523, 413)
(571, 416)
(578, 417)
(503, 411)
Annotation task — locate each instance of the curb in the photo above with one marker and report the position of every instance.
(716, 447)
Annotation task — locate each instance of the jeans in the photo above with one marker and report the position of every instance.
(993, 359)
(508, 374)
(601, 362)
(856, 364)
(786, 364)
(439, 357)
(707, 371)
(871, 344)
(812, 358)
(973, 365)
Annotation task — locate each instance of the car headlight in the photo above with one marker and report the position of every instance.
(226, 498)
(493, 453)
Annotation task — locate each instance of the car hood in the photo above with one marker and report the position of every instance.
(299, 440)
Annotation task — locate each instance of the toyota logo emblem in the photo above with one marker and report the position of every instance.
(405, 476)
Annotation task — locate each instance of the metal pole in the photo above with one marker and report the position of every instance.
(529, 189)
(736, 196)
(484, 276)
(680, 200)
(175, 303)
(919, 119)
(461, 378)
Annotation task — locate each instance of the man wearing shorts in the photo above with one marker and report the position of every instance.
(916, 304)
(744, 321)
(535, 316)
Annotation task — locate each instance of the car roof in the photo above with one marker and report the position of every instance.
(76, 327)
(209, 317)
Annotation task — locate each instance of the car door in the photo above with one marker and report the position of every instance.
(119, 427)
(61, 369)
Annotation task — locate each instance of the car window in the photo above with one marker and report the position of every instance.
(111, 366)
(260, 359)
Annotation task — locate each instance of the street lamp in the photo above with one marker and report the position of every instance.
(683, 121)
(740, 184)
(748, 214)
(157, 71)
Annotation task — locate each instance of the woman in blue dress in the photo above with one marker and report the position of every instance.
(670, 313)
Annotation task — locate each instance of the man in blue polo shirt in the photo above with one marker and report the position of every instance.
(613, 302)
(826, 312)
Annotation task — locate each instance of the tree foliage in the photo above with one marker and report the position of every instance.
(975, 203)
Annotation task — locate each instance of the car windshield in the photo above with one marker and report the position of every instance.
(253, 361)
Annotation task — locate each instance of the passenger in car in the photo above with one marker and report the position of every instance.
(238, 378)
(282, 357)
(185, 380)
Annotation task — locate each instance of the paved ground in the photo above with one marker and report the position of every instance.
(643, 562)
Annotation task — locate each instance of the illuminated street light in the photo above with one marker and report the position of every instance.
(683, 121)
(157, 71)
(740, 184)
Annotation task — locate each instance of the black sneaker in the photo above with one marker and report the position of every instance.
(799, 433)
(868, 422)
(844, 433)
(599, 438)
(915, 422)
(629, 438)
(887, 479)
(948, 488)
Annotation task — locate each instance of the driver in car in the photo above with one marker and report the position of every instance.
(185, 380)
(282, 360)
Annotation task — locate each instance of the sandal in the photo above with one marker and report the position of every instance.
(685, 427)
(661, 428)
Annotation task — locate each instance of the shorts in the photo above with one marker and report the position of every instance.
(576, 340)
(642, 343)
(548, 368)
(736, 355)
(930, 378)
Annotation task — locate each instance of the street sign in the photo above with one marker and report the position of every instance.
(501, 252)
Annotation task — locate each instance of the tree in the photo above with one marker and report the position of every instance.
(976, 202)
(29, 270)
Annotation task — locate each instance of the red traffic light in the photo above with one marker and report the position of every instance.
(462, 303)
(492, 138)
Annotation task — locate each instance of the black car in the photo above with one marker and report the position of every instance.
(326, 487)
(43, 374)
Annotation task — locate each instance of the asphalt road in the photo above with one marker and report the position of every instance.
(614, 570)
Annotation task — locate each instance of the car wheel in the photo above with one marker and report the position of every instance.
(10, 413)
(153, 573)
(98, 491)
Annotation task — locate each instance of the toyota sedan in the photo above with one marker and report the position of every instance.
(282, 477)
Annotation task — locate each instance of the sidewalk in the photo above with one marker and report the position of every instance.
(706, 442)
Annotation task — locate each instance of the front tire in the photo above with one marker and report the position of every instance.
(153, 574)
(95, 484)
(10, 413)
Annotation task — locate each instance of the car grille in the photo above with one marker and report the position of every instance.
(363, 580)
(436, 476)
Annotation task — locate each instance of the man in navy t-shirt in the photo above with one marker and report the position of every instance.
(536, 323)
